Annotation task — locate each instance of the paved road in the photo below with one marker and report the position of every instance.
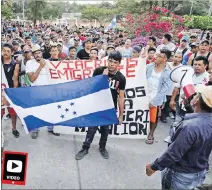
(52, 164)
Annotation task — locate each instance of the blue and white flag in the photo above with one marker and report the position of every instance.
(83, 103)
(112, 25)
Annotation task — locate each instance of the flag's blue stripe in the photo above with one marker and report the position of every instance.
(40, 95)
(103, 118)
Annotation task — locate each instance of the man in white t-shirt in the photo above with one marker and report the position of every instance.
(167, 43)
(201, 76)
(38, 75)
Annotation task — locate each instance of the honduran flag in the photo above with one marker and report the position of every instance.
(83, 103)
(112, 24)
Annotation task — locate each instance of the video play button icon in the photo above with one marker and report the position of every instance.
(14, 166)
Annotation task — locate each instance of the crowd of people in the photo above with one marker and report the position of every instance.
(25, 50)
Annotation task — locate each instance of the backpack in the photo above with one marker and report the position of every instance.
(183, 52)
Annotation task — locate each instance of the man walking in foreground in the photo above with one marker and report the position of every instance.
(117, 83)
(186, 159)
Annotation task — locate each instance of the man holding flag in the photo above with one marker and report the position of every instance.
(38, 75)
(117, 83)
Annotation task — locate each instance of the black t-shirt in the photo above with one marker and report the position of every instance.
(116, 82)
(82, 54)
(51, 59)
(9, 72)
(46, 52)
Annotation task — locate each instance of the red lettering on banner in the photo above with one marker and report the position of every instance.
(86, 73)
(77, 76)
(57, 64)
(69, 62)
(104, 62)
(86, 66)
(60, 74)
(130, 72)
(53, 72)
(120, 67)
(131, 62)
(79, 64)
(130, 67)
(97, 63)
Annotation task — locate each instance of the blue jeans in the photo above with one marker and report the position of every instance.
(181, 181)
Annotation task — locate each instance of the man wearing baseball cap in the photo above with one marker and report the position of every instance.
(136, 52)
(193, 38)
(203, 51)
(186, 159)
(23, 77)
(38, 75)
(183, 48)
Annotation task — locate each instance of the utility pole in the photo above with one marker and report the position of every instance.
(192, 4)
(210, 8)
(23, 2)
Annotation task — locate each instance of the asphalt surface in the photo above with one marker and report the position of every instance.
(52, 163)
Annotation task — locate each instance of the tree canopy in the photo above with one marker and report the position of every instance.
(104, 11)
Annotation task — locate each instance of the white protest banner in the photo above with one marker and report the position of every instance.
(136, 115)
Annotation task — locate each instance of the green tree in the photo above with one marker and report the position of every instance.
(6, 10)
(201, 22)
(51, 11)
(100, 14)
(35, 10)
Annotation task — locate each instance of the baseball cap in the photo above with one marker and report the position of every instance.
(110, 46)
(205, 41)
(206, 93)
(100, 42)
(77, 39)
(46, 37)
(15, 43)
(193, 35)
(60, 44)
(88, 40)
(194, 44)
(185, 38)
(137, 49)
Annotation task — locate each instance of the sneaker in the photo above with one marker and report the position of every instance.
(15, 133)
(6, 117)
(104, 153)
(164, 120)
(171, 115)
(81, 154)
(56, 134)
(34, 134)
(167, 139)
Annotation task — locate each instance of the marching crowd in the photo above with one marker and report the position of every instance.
(25, 50)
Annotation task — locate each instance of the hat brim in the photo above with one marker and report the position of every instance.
(202, 89)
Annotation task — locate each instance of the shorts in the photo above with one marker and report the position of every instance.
(10, 110)
(154, 111)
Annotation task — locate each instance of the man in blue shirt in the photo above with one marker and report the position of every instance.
(186, 159)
